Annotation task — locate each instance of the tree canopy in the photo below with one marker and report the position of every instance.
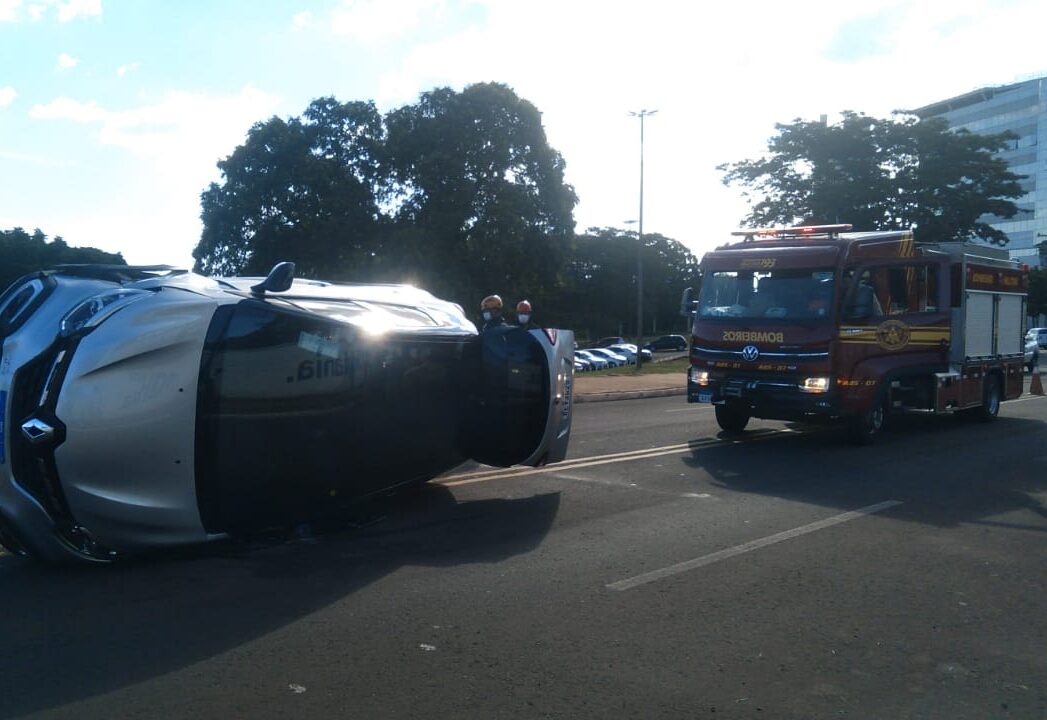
(22, 253)
(459, 192)
(599, 296)
(881, 174)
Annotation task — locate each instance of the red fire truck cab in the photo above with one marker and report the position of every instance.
(820, 324)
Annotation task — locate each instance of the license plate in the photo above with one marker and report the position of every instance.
(705, 397)
(3, 429)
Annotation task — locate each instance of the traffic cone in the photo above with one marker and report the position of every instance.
(1036, 386)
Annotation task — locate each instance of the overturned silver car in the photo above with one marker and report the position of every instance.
(145, 407)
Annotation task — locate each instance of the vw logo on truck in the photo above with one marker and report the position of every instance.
(750, 353)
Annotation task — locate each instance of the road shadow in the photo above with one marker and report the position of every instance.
(73, 633)
(946, 470)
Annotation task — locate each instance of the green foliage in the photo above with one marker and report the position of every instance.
(459, 193)
(599, 298)
(305, 189)
(881, 175)
(482, 202)
(22, 253)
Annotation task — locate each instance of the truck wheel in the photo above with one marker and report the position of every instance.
(732, 418)
(864, 428)
(991, 396)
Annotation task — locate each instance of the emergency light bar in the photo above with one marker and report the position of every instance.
(791, 232)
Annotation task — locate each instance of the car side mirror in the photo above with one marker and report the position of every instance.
(279, 279)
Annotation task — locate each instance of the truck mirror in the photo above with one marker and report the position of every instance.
(686, 303)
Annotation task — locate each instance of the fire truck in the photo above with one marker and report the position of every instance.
(818, 323)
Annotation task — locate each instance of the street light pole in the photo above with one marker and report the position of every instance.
(639, 248)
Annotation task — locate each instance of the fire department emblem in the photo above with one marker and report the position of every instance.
(892, 335)
(750, 353)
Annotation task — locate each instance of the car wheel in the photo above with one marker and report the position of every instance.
(864, 428)
(732, 418)
(991, 397)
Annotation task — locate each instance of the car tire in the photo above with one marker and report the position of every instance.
(991, 397)
(732, 418)
(863, 429)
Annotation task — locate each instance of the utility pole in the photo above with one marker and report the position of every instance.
(639, 247)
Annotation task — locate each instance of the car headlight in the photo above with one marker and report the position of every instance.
(699, 377)
(94, 310)
(815, 385)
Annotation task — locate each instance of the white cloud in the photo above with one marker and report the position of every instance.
(67, 62)
(64, 108)
(9, 10)
(7, 96)
(129, 67)
(371, 22)
(721, 75)
(73, 9)
(302, 20)
(180, 137)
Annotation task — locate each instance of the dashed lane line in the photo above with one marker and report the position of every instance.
(660, 574)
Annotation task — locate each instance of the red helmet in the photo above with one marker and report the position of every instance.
(523, 306)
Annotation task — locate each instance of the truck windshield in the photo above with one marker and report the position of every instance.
(787, 293)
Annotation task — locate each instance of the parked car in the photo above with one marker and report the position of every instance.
(607, 342)
(616, 359)
(144, 407)
(629, 350)
(667, 342)
(1035, 339)
(1039, 335)
(595, 361)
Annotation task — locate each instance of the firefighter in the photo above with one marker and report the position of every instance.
(523, 314)
(491, 309)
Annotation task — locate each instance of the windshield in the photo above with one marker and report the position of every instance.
(793, 293)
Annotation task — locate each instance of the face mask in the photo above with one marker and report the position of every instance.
(487, 314)
(524, 318)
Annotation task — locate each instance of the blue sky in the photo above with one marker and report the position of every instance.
(113, 113)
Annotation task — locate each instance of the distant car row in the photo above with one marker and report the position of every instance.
(664, 343)
(601, 358)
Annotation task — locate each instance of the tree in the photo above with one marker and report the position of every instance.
(599, 297)
(881, 175)
(481, 201)
(459, 192)
(22, 253)
(305, 189)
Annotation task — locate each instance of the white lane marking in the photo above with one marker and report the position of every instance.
(687, 565)
(1023, 399)
(691, 408)
(567, 465)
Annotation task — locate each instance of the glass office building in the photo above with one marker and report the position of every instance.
(1020, 108)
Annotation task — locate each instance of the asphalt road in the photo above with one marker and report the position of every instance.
(660, 572)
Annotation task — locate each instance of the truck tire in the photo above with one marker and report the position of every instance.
(732, 417)
(991, 397)
(864, 428)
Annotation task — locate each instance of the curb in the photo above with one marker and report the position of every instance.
(628, 395)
